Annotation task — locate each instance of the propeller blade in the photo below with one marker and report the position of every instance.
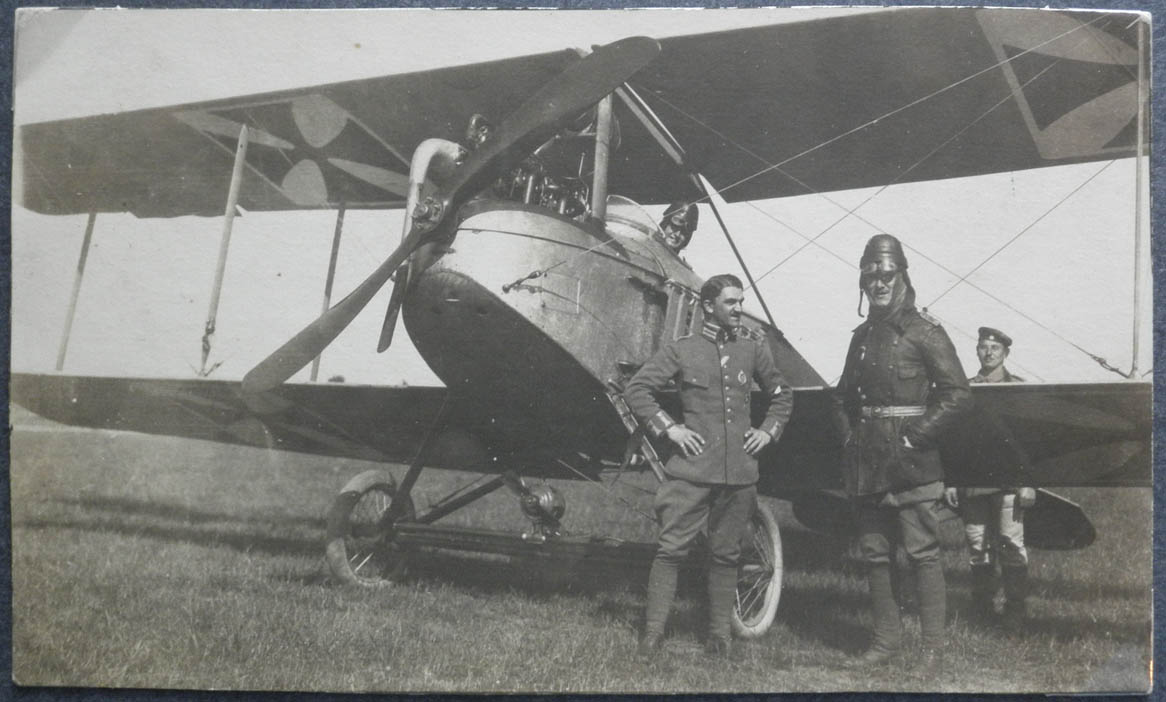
(400, 287)
(548, 111)
(314, 338)
(577, 88)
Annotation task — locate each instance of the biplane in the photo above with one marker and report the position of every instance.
(529, 274)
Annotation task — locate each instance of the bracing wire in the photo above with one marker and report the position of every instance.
(871, 122)
(606, 489)
(853, 212)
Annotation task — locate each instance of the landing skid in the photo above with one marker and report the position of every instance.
(374, 529)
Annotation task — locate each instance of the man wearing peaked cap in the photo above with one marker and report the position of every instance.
(993, 518)
(901, 387)
(711, 476)
(992, 350)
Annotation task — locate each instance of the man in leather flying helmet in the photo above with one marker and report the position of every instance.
(902, 385)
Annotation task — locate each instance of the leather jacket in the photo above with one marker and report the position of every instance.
(903, 359)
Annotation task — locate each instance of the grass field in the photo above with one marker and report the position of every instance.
(154, 562)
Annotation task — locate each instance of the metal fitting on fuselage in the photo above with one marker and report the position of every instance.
(440, 155)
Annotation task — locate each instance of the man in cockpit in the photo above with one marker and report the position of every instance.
(477, 132)
(678, 225)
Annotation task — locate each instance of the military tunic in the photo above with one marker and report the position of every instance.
(715, 491)
(999, 374)
(714, 374)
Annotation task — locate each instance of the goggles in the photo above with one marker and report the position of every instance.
(881, 271)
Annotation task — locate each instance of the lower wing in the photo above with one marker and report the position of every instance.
(1016, 435)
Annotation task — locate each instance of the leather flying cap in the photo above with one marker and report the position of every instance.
(882, 247)
(990, 334)
(688, 212)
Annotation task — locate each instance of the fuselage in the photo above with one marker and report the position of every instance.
(541, 348)
(535, 311)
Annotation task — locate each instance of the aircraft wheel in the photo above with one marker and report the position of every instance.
(758, 576)
(360, 548)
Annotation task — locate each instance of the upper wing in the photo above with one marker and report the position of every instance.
(891, 96)
(895, 96)
(315, 147)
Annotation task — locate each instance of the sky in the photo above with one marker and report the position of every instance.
(1048, 253)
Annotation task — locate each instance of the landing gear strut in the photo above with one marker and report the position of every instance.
(373, 528)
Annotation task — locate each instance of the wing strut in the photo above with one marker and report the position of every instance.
(1138, 185)
(76, 290)
(675, 152)
(224, 243)
(329, 280)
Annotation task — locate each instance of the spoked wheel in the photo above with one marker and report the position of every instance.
(360, 548)
(758, 576)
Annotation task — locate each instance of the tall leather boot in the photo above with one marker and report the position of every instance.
(983, 592)
(932, 611)
(722, 592)
(888, 629)
(1015, 579)
(661, 592)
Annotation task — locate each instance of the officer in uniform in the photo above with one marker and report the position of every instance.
(901, 386)
(994, 518)
(711, 477)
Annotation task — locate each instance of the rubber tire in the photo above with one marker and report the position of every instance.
(379, 562)
(759, 576)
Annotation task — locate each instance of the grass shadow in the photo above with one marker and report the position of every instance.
(179, 524)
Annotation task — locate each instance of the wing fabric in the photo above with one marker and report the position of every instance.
(1021, 434)
(902, 95)
(898, 95)
(381, 424)
(364, 422)
(1054, 435)
(310, 148)
(1018, 434)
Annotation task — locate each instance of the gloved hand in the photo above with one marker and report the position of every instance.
(951, 497)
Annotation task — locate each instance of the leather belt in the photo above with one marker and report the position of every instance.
(894, 411)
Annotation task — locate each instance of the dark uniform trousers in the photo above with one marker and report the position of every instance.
(715, 490)
(901, 386)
